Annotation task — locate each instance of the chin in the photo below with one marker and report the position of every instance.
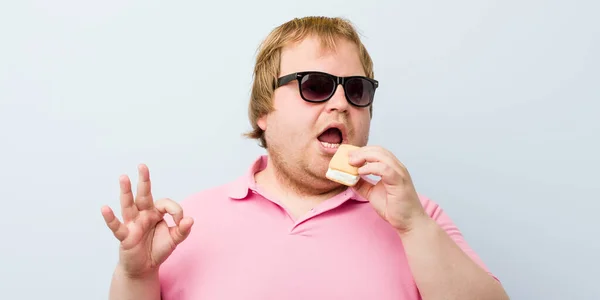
(318, 165)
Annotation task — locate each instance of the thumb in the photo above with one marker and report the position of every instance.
(363, 186)
(180, 232)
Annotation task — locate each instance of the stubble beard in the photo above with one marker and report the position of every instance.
(296, 173)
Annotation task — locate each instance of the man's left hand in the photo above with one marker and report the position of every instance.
(394, 197)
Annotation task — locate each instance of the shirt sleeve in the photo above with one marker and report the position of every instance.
(445, 222)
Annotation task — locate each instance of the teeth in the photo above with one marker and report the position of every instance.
(329, 145)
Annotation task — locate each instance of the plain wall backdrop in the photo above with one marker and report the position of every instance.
(492, 105)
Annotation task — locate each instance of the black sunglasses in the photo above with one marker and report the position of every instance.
(319, 87)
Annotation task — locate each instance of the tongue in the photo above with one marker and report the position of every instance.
(332, 136)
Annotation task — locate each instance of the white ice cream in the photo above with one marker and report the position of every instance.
(347, 179)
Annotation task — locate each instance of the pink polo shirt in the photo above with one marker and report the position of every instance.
(245, 246)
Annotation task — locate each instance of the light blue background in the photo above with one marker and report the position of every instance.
(492, 105)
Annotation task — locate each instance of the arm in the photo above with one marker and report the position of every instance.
(442, 270)
(442, 264)
(146, 240)
(124, 287)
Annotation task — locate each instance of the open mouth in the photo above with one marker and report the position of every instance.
(331, 138)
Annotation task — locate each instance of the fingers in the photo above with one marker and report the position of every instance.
(387, 173)
(372, 154)
(369, 154)
(144, 195)
(183, 226)
(181, 231)
(374, 160)
(363, 186)
(171, 207)
(119, 229)
(128, 208)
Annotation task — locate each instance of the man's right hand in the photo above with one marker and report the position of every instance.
(146, 239)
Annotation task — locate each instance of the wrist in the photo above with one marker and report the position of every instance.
(151, 275)
(418, 225)
(125, 286)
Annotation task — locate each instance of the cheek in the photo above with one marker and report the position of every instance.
(296, 115)
(362, 125)
(299, 125)
(289, 125)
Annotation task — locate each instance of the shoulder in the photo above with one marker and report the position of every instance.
(435, 212)
(203, 205)
(439, 215)
(211, 196)
(431, 207)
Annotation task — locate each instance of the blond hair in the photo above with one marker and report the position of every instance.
(267, 68)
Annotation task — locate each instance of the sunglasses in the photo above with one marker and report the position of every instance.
(317, 87)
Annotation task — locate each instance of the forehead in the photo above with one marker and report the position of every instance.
(310, 55)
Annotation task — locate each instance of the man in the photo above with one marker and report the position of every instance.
(284, 231)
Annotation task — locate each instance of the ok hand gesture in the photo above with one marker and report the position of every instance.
(146, 239)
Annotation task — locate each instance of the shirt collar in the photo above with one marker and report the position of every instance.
(240, 188)
(243, 185)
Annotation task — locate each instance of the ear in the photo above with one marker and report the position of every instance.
(262, 122)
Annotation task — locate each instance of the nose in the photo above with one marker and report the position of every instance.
(338, 101)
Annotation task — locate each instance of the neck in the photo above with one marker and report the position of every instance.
(292, 189)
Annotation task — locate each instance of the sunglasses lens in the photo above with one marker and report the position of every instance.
(316, 87)
(360, 91)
